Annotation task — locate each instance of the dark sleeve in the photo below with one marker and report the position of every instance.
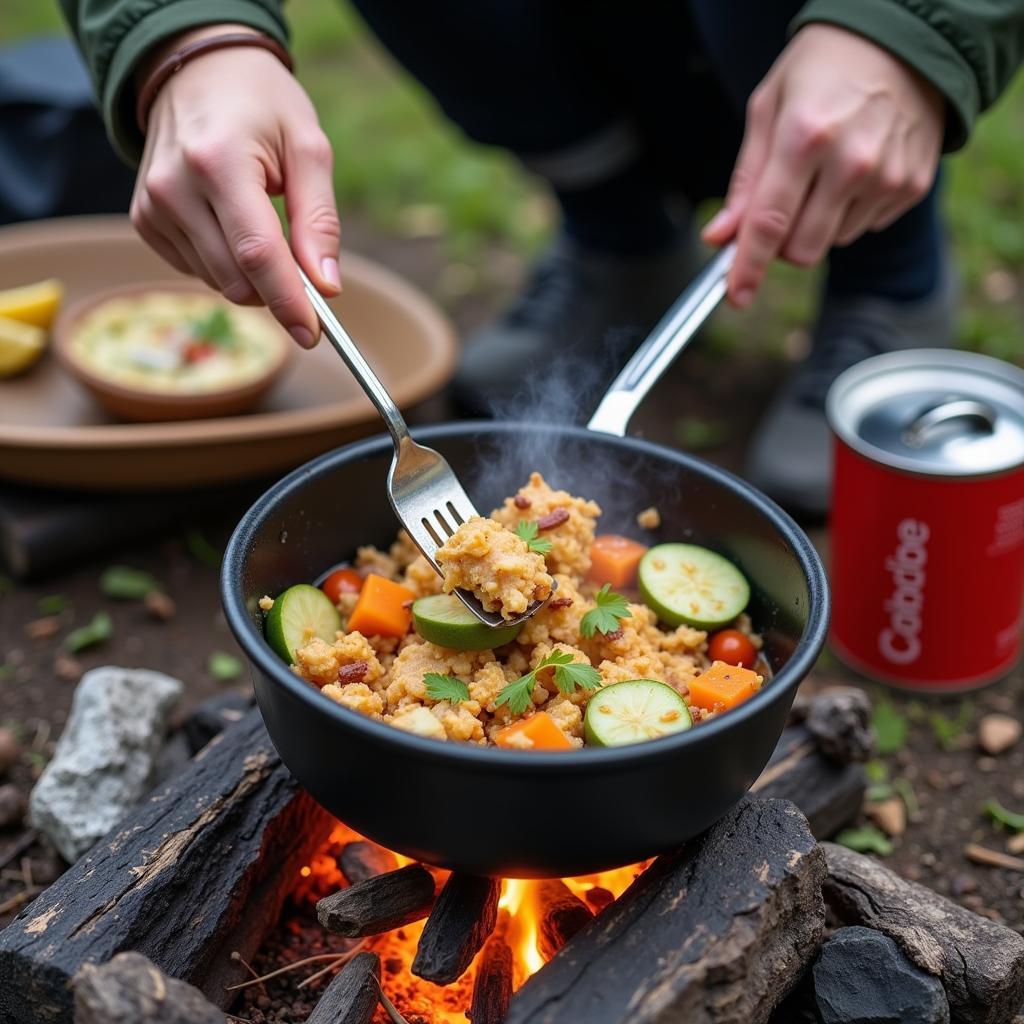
(114, 35)
(968, 49)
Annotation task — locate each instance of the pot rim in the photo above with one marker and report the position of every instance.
(263, 659)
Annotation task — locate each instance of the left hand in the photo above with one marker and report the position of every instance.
(841, 138)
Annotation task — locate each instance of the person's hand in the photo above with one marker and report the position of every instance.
(226, 131)
(841, 138)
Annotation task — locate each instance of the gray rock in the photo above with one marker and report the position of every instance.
(105, 758)
(840, 720)
(862, 977)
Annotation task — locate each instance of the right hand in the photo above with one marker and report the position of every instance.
(228, 130)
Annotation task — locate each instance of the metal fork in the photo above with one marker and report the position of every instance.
(423, 489)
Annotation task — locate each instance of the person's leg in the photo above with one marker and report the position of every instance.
(521, 74)
(888, 290)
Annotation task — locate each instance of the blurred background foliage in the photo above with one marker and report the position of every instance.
(400, 166)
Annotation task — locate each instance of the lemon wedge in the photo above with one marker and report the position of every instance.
(32, 303)
(20, 345)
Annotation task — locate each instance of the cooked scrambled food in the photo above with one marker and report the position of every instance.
(598, 664)
(494, 564)
(177, 342)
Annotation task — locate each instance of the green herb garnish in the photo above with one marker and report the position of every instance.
(527, 530)
(997, 812)
(201, 549)
(101, 628)
(447, 688)
(606, 617)
(126, 583)
(216, 329)
(224, 666)
(568, 675)
(865, 839)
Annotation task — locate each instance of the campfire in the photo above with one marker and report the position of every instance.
(229, 889)
(359, 887)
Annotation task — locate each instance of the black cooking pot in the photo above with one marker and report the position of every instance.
(504, 812)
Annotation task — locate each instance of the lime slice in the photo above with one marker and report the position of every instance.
(444, 620)
(634, 711)
(299, 614)
(684, 583)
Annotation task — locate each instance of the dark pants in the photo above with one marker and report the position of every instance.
(620, 106)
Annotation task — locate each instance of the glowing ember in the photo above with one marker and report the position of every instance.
(520, 914)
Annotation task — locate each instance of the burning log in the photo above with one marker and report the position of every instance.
(379, 904)
(463, 916)
(197, 871)
(362, 860)
(132, 990)
(492, 990)
(720, 930)
(562, 915)
(979, 962)
(352, 997)
(829, 793)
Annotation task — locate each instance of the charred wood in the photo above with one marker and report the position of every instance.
(717, 932)
(379, 904)
(979, 962)
(829, 793)
(362, 859)
(199, 870)
(463, 917)
(562, 915)
(351, 998)
(492, 989)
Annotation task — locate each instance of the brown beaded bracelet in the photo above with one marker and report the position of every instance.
(177, 59)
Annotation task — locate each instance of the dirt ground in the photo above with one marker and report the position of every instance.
(938, 768)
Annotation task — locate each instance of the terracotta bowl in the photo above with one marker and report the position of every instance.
(152, 405)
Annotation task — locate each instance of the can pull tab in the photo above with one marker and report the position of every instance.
(925, 426)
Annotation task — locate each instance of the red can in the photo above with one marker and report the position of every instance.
(928, 518)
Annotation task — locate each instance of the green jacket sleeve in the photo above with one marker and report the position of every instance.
(114, 35)
(968, 49)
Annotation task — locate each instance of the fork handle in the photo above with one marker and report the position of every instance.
(349, 351)
(669, 337)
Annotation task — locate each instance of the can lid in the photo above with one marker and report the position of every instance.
(932, 411)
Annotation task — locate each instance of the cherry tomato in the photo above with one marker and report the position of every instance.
(732, 647)
(197, 351)
(342, 581)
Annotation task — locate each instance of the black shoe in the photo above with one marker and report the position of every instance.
(791, 455)
(579, 317)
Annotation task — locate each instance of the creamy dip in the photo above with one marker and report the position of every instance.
(176, 342)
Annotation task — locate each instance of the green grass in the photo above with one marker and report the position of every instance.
(399, 163)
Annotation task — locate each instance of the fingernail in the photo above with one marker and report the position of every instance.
(329, 269)
(303, 336)
(744, 297)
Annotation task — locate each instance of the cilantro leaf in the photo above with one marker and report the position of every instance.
(527, 530)
(517, 694)
(447, 688)
(568, 675)
(606, 617)
(216, 329)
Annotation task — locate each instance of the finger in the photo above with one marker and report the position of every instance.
(256, 241)
(818, 222)
(771, 212)
(761, 112)
(312, 212)
(858, 218)
(160, 232)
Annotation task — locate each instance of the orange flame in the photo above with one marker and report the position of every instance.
(521, 915)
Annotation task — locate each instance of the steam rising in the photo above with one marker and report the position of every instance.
(563, 393)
